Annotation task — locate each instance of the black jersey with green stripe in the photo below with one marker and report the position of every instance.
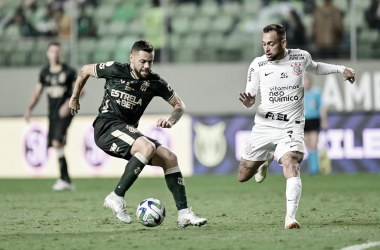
(126, 96)
(58, 86)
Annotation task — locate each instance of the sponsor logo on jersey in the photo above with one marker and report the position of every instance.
(284, 75)
(56, 91)
(131, 129)
(144, 86)
(114, 148)
(127, 87)
(277, 116)
(109, 63)
(277, 94)
(251, 71)
(296, 69)
(293, 140)
(62, 77)
(169, 88)
(102, 66)
(249, 149)
(263, 63)
(124, 99)
(297, 57)
(267, 74)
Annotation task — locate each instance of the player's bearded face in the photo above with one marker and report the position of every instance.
(274, 46)
(142, 62)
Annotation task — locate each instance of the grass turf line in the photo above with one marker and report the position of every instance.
(335, 211)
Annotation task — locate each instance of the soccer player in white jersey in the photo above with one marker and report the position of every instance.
(280, 119)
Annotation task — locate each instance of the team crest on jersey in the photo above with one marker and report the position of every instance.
(297, 69)
(144, 86)
(249, 149)
(62, 77)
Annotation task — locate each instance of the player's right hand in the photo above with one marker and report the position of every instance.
(247, 100)
(74, 105)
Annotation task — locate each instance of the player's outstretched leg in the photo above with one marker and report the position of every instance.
(115, 200)
(176, 184)
(263, 169)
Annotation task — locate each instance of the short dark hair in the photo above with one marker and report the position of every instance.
(280, 30)
(54, 43)
(142, 45)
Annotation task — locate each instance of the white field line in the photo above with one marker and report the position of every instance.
(362, 246)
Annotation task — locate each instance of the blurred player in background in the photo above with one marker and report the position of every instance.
(129, 88)
(57, 78)
(315, 119)
(280, 119)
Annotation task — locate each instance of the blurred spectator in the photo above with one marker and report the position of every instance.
(26, 29)
(372, 15)
(328, 29)
(153, 21)
(47, 25)
(295, 31)
(85, 24)
(309, 6)
(188, 1)
(63, 23)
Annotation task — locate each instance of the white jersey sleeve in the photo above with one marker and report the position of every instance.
(253, 79)
(318, 68)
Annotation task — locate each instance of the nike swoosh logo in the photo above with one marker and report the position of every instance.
(268, 73)
(294, 145)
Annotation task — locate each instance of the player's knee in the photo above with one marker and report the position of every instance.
(144, 147)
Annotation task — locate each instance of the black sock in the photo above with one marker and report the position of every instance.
(131, 172)
(63, 167)
(176, 185)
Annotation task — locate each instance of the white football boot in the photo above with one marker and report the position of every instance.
(186, 217)
(291, 222)
(61, 185)
(118, 206)
(263, 170)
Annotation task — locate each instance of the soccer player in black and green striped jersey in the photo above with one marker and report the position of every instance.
(129, 88)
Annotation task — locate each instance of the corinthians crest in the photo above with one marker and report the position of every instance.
(297, 69)
(210, 145)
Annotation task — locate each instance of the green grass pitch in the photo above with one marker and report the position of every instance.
(335, 211)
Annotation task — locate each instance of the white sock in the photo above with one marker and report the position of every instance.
(293, 195)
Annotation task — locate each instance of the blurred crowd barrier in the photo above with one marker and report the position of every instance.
(184, 31)
(24, 152)
(203, 144)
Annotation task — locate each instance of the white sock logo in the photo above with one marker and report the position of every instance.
(137, 171)
(181, 181)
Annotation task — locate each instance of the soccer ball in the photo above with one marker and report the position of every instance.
(151, 212)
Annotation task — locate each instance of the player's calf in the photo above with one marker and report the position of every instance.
(247, 169)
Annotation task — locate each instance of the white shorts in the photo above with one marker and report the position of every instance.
(264, 140)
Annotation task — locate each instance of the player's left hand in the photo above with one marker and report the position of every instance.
(349, 75)
(163, 123)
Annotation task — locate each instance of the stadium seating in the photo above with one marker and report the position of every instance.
(204, 32)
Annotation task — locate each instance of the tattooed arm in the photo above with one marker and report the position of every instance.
(84, 74)
(178, 110)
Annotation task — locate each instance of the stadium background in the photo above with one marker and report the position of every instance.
(204, 50)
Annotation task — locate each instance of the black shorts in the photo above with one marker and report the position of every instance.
(58, 129)
(312, 125)
(115, 137)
